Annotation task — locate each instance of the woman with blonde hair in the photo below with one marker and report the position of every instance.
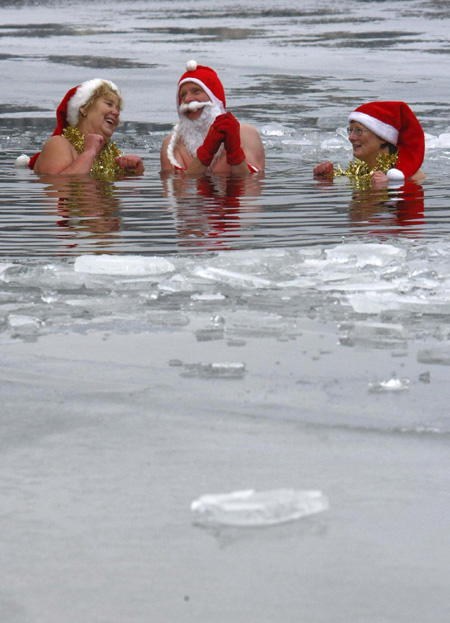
(87, 117)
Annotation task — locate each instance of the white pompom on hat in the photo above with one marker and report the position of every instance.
(22, 161)
(396, 123)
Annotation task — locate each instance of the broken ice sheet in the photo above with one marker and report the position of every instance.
(258, 508)
(214, 370)
(392, 385)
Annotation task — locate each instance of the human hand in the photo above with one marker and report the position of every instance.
(378, 178)
(131, 164)
(93, 143)
(324, 169)
(229, 126)
(211, 145)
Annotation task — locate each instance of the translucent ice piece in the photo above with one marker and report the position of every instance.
(275, 129)
(20, 321)
(252, 508)
(215, 370)
(129, 265)
(393, 385)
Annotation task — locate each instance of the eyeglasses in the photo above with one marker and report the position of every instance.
(356, 131)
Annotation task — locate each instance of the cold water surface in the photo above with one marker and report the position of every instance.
(162, 339)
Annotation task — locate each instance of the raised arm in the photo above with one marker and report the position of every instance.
(58, 156)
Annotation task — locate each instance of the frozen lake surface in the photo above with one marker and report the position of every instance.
(164, 339)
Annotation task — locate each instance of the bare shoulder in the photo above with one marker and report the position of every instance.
(57, 142)
(248, 131)
(55, 156)
(166, 142)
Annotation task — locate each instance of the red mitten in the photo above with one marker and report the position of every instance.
(211, 144)
(229, 126)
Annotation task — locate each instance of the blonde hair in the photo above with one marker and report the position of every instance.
(103, 90)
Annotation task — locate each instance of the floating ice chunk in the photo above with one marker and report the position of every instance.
(373, 335)
(331, 143)
(215, 370)
(437, 142)
(275, 129)
(231, 277)
(374, 286)
(371, 303)
(208, 297)
(365, 254)
(298, 141)
(4, 267)
(251, 508)
(209, 334)
(393, 385)
(218, 321)
(128, 265)
(19, 321)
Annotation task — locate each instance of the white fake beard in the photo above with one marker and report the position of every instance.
(193, 132)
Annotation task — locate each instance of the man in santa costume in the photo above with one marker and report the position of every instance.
(207, 137)
(388, 144)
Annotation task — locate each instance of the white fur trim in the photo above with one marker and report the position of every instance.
(395, 175)
(381, 129)
(191, 65)
(22, 161)
(82, 95)
(208, 92)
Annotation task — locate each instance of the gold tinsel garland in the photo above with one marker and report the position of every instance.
(105, 166)
(358, 171)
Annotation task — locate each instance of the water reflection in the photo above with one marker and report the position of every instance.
(85, 206)
(397, 209)
(211, 210)
(383, 210)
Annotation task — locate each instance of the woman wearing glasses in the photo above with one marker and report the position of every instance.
(388, 145)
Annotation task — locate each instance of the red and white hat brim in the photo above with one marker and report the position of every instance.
(381, 129)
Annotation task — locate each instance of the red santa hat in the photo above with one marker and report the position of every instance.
(68, 111)
(207, 79)
(396, 123)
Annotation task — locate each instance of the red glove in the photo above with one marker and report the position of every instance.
(229, 126)
(211, 144)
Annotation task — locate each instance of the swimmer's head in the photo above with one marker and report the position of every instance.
(395, 123)
(207, 79)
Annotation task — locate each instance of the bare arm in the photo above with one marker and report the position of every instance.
(253, 149)
(58, 157)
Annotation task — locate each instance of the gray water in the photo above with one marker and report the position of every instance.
(163, 339)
